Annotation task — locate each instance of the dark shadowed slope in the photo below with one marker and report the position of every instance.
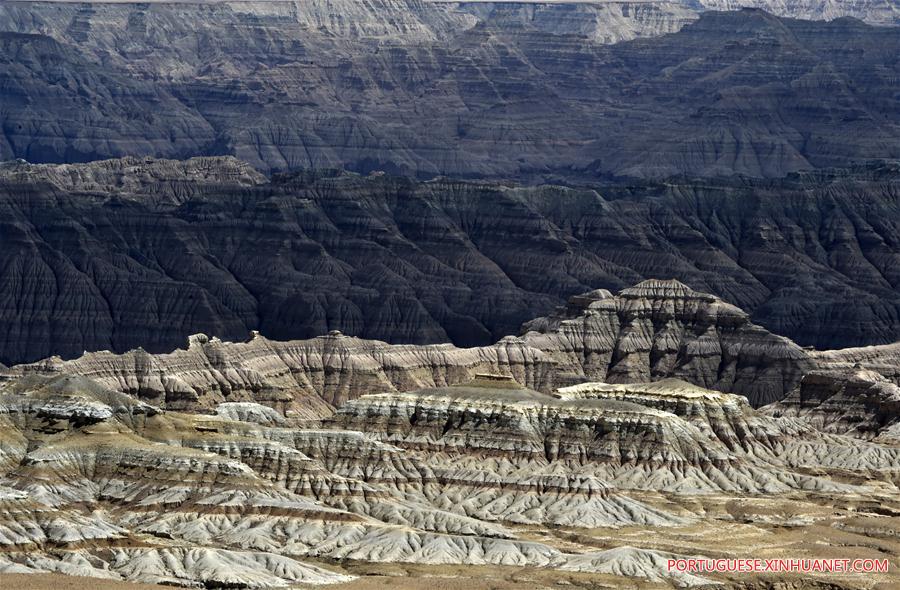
(127, 253)
(652, 331)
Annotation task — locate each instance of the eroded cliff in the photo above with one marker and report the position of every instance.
(655, 330)
(95, 483)
(421, 89)
(119, 254)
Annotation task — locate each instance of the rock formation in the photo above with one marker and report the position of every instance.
(663, 329)
(858, 402)
(727, 420)
(559, 15)
(95, 483)
(460, 186)
(872, 11)
(655, 330)
(664, 436)
(884, 359)
(599, 22)
(119, 254)
(306, 378)
(421, 89)
(222, 499)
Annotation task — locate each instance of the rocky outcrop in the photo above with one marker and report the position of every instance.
(305, 379)
(727, 420)
(250, 412)
(857, 401)
(126, 253)
(664, 436)
(872, 11)
(442, 476)
(655, 330)
(557, 15)
(661, 329)
(884, 360)
(487, 473)
(160, 183)
(187, 500)
(599, 22)
(179, 566)
(417, 88)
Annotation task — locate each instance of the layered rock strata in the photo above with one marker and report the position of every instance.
(665, 436)
(125, 253)
(420, 89)
(857, 401)
(663, 329)
(95, 484)
(883, 360)
(599, 22)
(655, 330)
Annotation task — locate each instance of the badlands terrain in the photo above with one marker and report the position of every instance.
(458, 294)
(121, 254)
(471, 90)
(586, 452)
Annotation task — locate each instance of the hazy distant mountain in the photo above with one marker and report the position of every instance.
(429, 90)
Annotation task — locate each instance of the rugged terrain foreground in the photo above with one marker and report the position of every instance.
(233, 465)
(450, 294)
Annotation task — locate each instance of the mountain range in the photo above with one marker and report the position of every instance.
(428, 89)
(463, 294)
(130, 253)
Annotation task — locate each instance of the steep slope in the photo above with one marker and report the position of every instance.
(883, 360)
(599, 22)
(307, 378)
(879, 12)
(666, 436)
(663, 329)
(420, 89)
(95, 483)
(648, 18)
(655, 330)
(119, 254)
(59, 105)
(111, 488)
(857, 402)
(727, 420)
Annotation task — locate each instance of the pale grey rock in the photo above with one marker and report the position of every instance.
(634, 562)
(702, 442)
(180, 566)
(884, 359)
(558, 12)
(218, 567)
(150, 180)
(598, 22)
(661, 329)
(72, 399)
(443, 476)
(250, 412)
(857, 402)
(75, 563)
(879, 12)
(655, 330)
(424, 90)
(763, 433)
(308, 378)
(27, 522)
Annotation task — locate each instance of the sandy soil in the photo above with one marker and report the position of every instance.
(61, 582)
(380, 577)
